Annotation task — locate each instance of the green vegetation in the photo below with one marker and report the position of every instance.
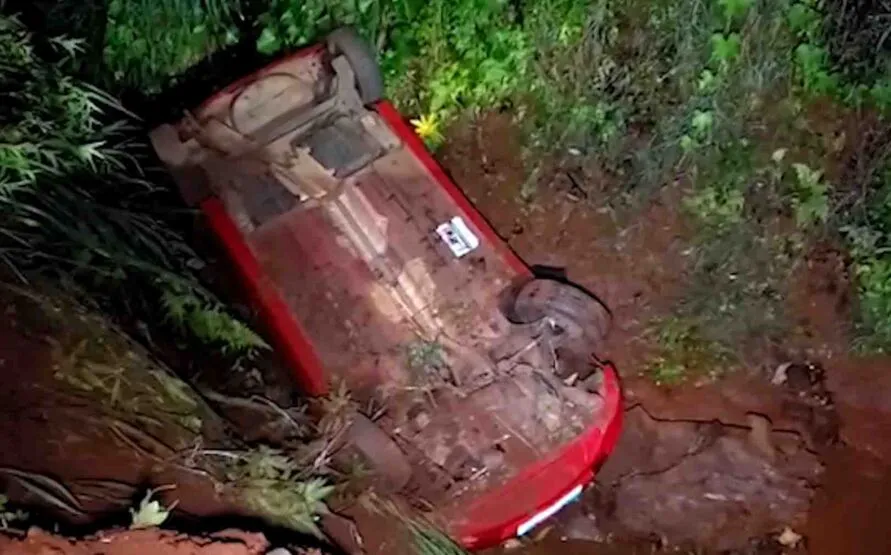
(768, 118)
(150, 512)
(7, 515)
(425, 358)
(868, 234)
(148, 42)
(683, 353)
(273, 484)
(428, 540)
(76, 203)
(727, 99)
(424, 536)
(116, 388)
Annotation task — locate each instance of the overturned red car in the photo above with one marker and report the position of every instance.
(369, 267)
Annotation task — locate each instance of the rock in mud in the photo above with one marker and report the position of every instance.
(708, 484)
(582, 527)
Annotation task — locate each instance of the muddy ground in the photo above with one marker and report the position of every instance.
(792, 446)
(791, 440)
(137, 542)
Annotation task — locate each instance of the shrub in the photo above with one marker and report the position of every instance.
(868, 235)
(149, 41)
(74, 201)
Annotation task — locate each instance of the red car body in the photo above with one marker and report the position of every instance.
(358, 279)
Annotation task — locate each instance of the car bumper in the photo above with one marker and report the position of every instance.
(541, 490)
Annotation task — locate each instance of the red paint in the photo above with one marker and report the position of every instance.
(416, 146)
(494, 517)
(287, 333)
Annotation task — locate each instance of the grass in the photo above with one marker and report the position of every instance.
(714, 94)
(868, 234)
(683, 352)
(425, 359)
(149, 42)
(77, 204)
(93, 360)
(274, 485)
(424, 536)
(429, 540)
(148, 410)
(756, 176)
(722, 98)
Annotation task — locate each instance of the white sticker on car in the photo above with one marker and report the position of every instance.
(545, 514)
(459, 238)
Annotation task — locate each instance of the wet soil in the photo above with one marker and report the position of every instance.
(635, 265)
(84, 408)
(709, 466)
(89, 421)
(136, 542)
(850, 513)
(720, 465)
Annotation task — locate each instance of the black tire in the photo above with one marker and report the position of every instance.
(369, 81)
(578, 314)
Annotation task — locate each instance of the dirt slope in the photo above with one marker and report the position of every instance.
(86, 409)
(136, 542)
(711, 465)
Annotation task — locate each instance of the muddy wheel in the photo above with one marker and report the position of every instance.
(571, 311)
(347, 42)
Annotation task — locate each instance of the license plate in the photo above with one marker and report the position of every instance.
(458, 236)
(547, 513)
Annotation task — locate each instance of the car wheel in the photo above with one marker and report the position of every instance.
(572, 312)
(347, 42)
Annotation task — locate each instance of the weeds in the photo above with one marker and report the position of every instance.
(428, 540)
(683, 353)
(718, 208)
(742, 258)
(843, 51)
(425, 537)
(9, 516)
(270, 483)
(809, 200)
(428, 128)
(869, 240)
(94, 360)
(442, 58)
(873, 275)
(150, 512)
(740, 196)
(76, 204)
(208, 320)
(149, 41)
(425, 356)
(694, 92)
